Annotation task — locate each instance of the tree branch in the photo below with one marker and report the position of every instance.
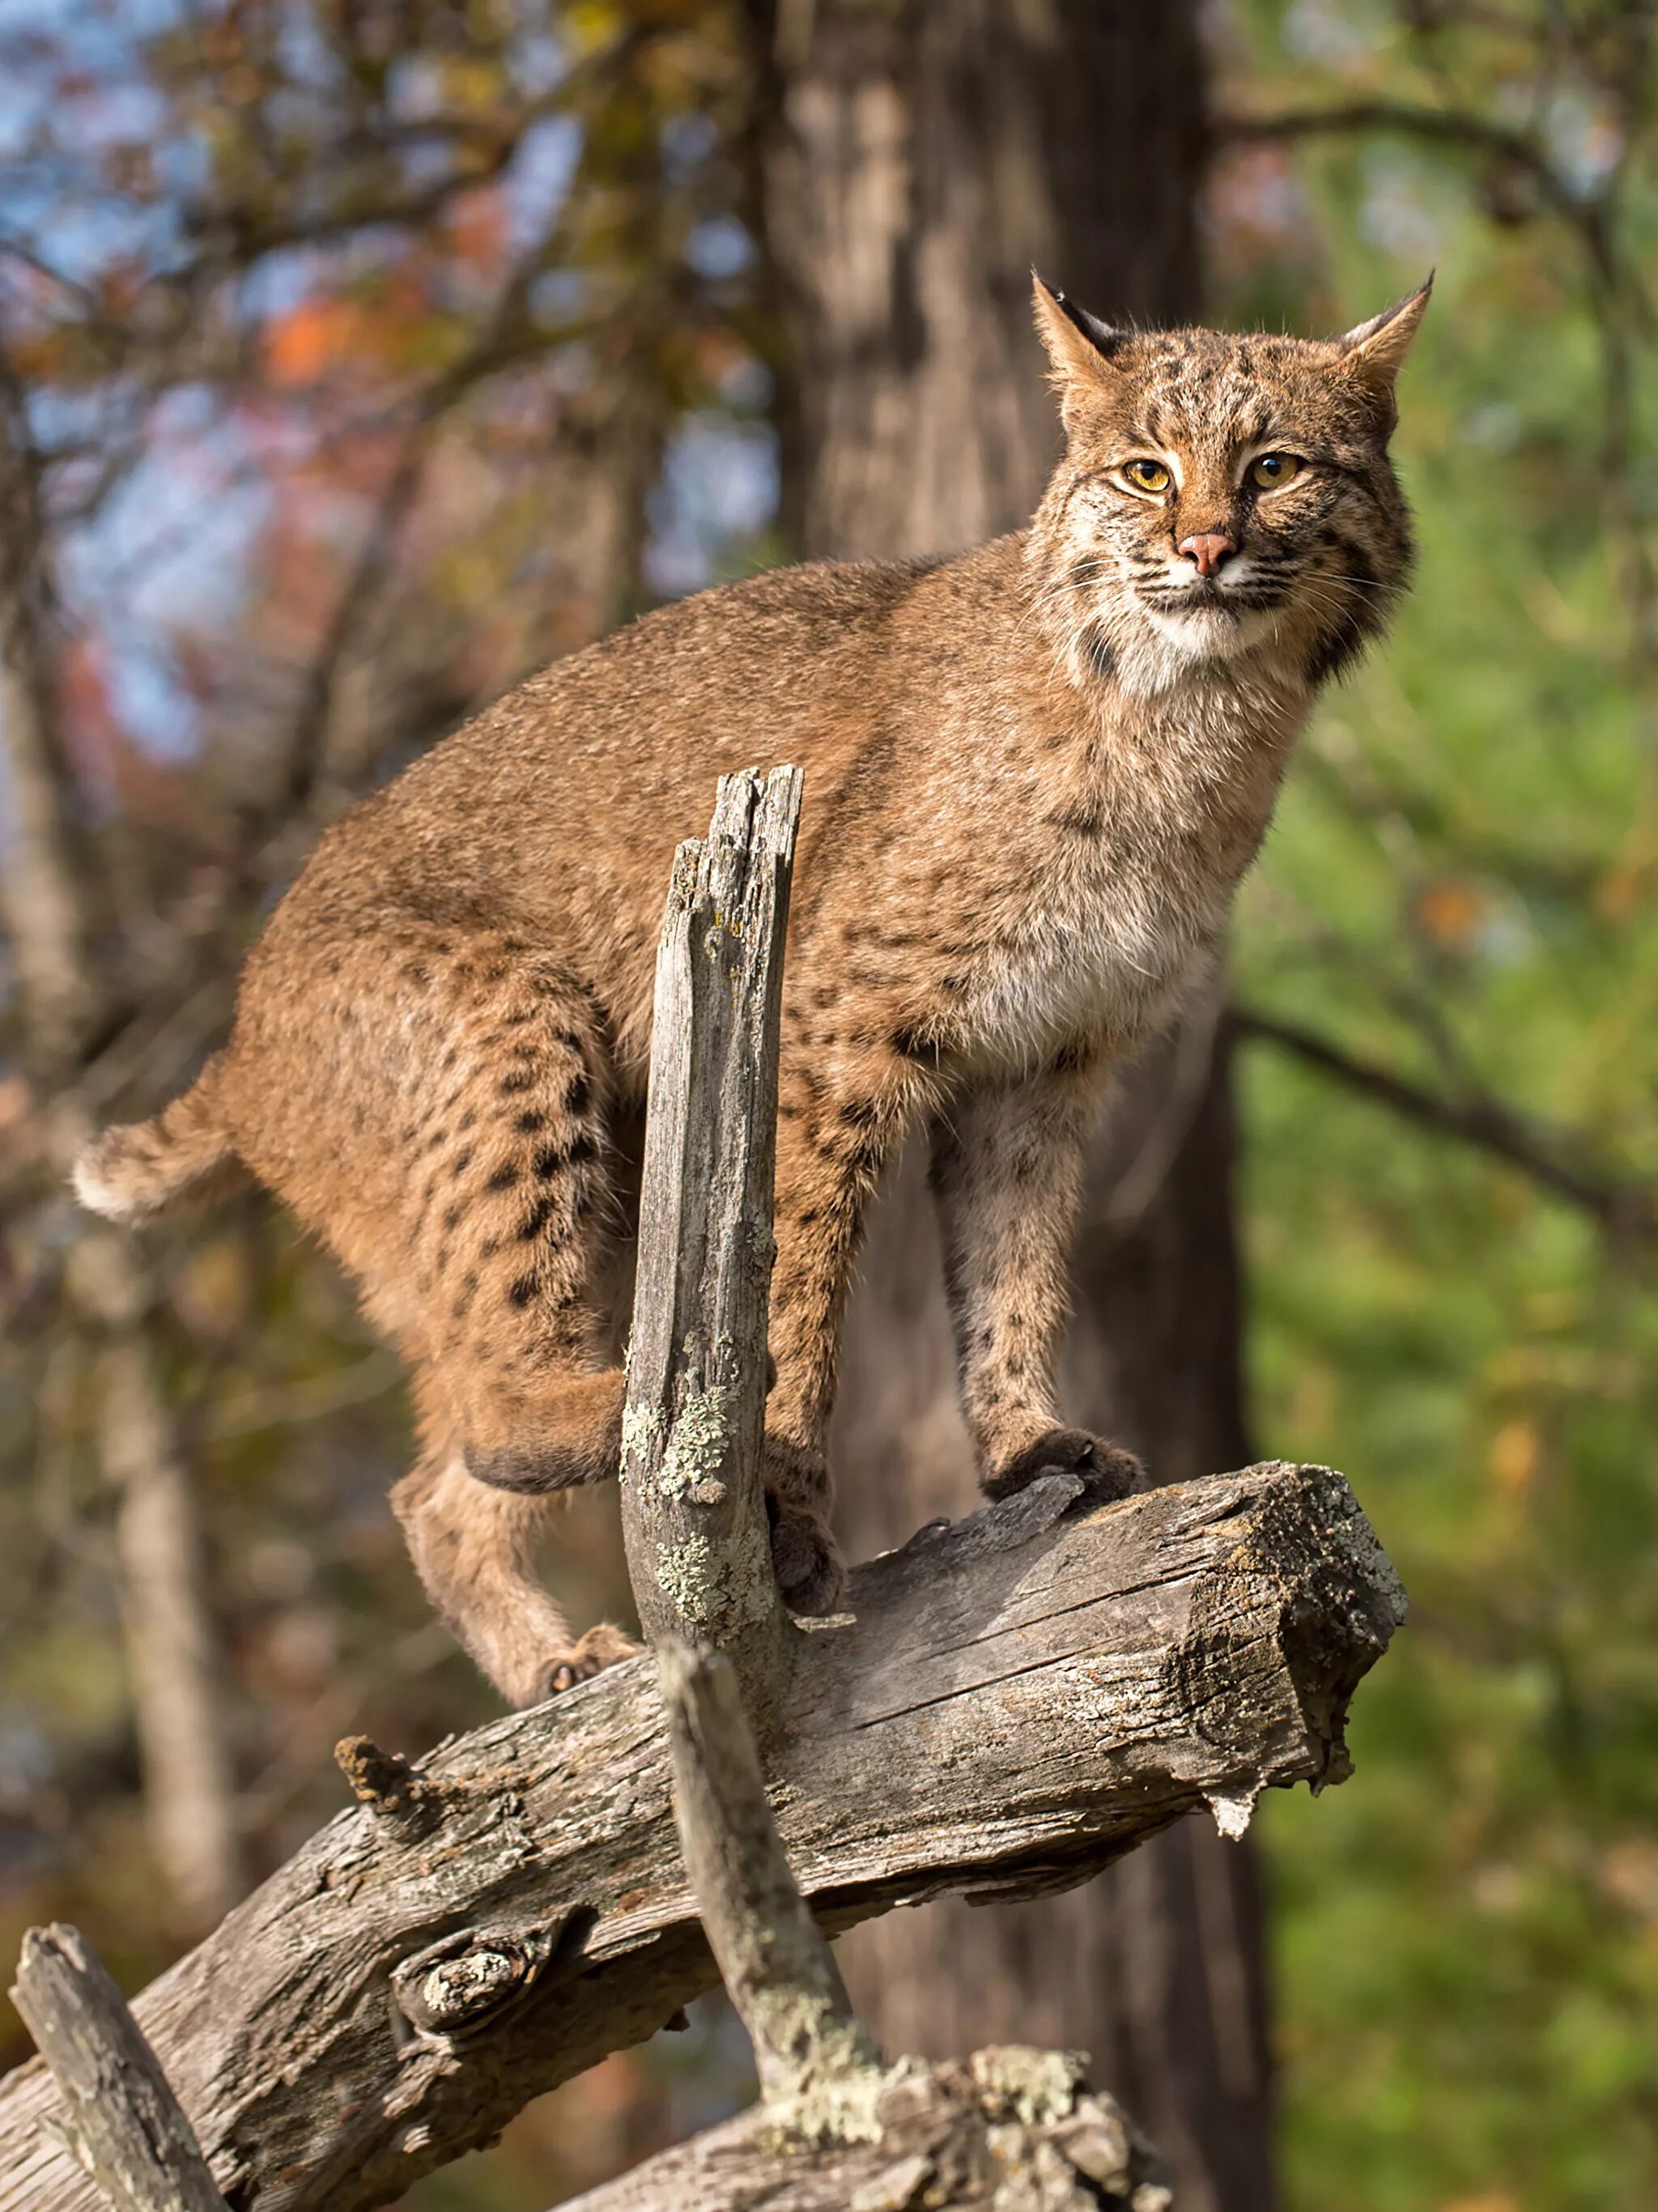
(1015, 1701)
(235, 236)
(51, 905)
(175, 1663)
(1454, 127)
(1009, 2127)
(1626, 1211)
(45, 885)
(692, 1509)
(778, 1973)
(123, 2121)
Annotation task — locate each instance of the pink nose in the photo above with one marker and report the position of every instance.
(1211, 551)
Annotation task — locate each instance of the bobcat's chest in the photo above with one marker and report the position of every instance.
(1118, 908)
(1095, 953)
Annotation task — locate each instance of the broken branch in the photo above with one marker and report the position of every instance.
(121, 2119)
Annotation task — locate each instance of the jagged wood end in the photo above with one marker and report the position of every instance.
(778, 1973)
(693, 1510)
(120, 2118)
(1012, 1702)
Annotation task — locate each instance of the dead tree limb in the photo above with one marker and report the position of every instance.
(122, 2121)
(1009, 1704)
(834, 2128)
(778, 1973)
(692, 1511)
(1007, 2128)
(1015, 1701)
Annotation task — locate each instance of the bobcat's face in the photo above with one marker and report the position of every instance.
(1223, 497)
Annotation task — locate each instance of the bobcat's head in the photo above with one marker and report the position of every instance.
(1221, 498)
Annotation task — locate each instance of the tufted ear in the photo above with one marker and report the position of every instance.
(1373, 353)
(1080, 347)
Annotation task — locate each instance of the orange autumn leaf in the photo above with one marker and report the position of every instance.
(316, 336)
(1515, 1451)
(1449, 910)
(323, 335)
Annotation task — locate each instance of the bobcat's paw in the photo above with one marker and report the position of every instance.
(1107, 1468)
(600, 1648)
(808, 1565)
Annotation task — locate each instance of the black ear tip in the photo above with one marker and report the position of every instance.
(1101, 335)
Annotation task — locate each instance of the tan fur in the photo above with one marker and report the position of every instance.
(1034, 777)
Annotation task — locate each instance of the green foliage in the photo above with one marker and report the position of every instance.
(1461, 888)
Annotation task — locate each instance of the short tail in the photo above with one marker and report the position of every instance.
(185, 1157)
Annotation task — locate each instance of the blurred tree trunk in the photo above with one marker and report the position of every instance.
(915, 162)
(52, 911)
(175, 1664)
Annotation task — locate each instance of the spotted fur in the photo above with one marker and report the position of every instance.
(1035, 775)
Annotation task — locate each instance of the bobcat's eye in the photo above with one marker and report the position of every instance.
(1147, 475)
(1269, 470)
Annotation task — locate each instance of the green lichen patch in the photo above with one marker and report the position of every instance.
(1037, 2086)
(698, 1443)
(840, 2100)
(642, 1437)
(723, 1588)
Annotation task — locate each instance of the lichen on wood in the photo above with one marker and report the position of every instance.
(1009, 2129)
(693, 1512)
(1009, 1704)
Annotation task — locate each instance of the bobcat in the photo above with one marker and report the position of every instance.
(1035, 775)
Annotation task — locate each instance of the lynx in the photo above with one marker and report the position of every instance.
(1035, 775)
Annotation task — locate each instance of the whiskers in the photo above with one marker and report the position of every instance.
(1323, 592)
(1098, 568)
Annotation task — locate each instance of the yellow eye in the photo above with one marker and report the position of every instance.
(1269, 470)
(1147, 475)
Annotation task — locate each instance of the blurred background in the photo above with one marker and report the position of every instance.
(358, 356)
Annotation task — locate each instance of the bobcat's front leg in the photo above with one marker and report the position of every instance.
(840, 1116)
(1007, 1175)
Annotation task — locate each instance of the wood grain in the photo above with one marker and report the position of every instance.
(1011, 2130)
(692, 1510)
(1011, 1702)
(120, 2118)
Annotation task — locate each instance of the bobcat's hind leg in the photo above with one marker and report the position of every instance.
(474, 1549)
(512, 1213)
(436, 1108)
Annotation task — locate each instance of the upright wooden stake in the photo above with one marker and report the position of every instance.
(693, 1510)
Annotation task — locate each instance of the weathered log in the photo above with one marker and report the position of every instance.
(120, 2119)
(834, 2127)
(1009, 2130)
(692, 1511)
(1012, 1702)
